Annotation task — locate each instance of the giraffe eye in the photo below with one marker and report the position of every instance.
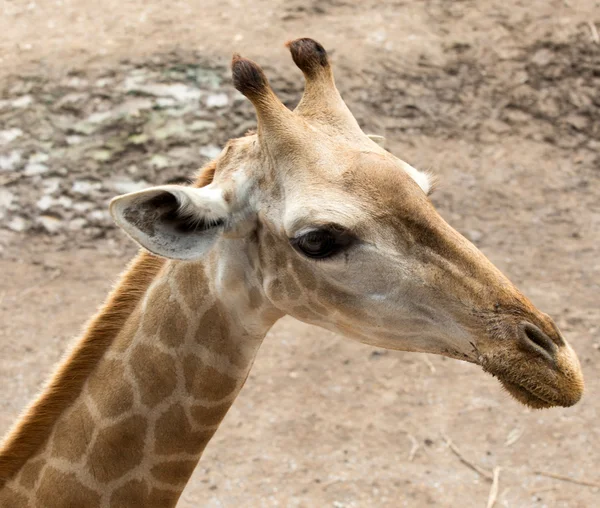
(321, 243)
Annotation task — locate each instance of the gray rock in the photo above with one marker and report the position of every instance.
(50, 223)
(217, 100)
(85, 187)
(44, 203)
(177, 91)
(35, 168)
(11, 161)
(202, 125)
(18, 224)
(124, 185)
(159, 161)
(76, 224)
(22, 102)
(210, 151)
(6, 199)
(9, 135)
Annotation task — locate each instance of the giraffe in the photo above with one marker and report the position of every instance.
(307, 217)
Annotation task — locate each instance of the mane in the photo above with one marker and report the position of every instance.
(32, 429)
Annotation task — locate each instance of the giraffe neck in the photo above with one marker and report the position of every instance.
(135, 432)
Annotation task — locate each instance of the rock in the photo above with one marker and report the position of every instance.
(39, 157)
(50, 223)
(76, 224)
(542, 57)
(18, 224)
(22, 102)
(44, 203)
(124, 185)
(474, 235)
(92, 123)
(173, 129)
(9, 135)
(64, 201)
(101, 155)
(35, 168)
(74, 140)
(51, 185)
(10, 161)
(210, 151)
(83, 206)
(159, 161)
(217, 100)
(202, 125)
(99, 218)
(133, 107)
(137, 139)
(6, 199)
(177, 91)
(85, 187)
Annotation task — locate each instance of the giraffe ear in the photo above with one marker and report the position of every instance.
(380, 140)
(173, 221)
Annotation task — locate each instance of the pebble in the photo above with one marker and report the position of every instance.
(210, 151)
(6, 199)
(124, 185)
(85, 187)
(10, 161)
(9, 135)
(35, 168)
(217, 100)
(18, 224)
(50, 223)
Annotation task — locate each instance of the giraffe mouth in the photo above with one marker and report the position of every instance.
(526, 396)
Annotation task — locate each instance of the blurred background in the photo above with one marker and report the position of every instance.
(499, 98)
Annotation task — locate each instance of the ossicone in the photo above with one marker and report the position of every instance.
(308, 55)
(248, 78)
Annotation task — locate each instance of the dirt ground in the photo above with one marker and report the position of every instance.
(500, 99)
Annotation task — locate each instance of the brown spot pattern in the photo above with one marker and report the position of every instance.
(165, 317)
(176, 472)
(173, 434)
(192, 283)
(209, 415)
(119, 446)
(65, 491)
(72, 445)
(155, 373)
(30, 473)
(213, 333)
(133, 493)
(12, 499)
(204, 382)
(109, 389)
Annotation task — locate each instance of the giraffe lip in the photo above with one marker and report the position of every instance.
(526, 396)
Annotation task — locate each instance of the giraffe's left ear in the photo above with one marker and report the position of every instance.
(173, 221)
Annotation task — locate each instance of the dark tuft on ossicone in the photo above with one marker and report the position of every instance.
(309, 55)
(248, 77)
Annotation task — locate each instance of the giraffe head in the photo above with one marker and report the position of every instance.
(340, 233)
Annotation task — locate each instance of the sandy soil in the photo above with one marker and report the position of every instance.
(499, 99)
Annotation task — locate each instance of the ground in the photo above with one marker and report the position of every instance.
(498, 98)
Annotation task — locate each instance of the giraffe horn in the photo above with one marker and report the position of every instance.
(321, 100)
(274, 117)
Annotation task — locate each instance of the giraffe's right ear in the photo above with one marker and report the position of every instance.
(173, 221)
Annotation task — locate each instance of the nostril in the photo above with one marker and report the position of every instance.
(534, 338)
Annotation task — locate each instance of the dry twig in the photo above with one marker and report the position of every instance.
(429, 364)
(563, 478)
(594, 32)
(466, 462)
(494, 488)
(415, 447)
